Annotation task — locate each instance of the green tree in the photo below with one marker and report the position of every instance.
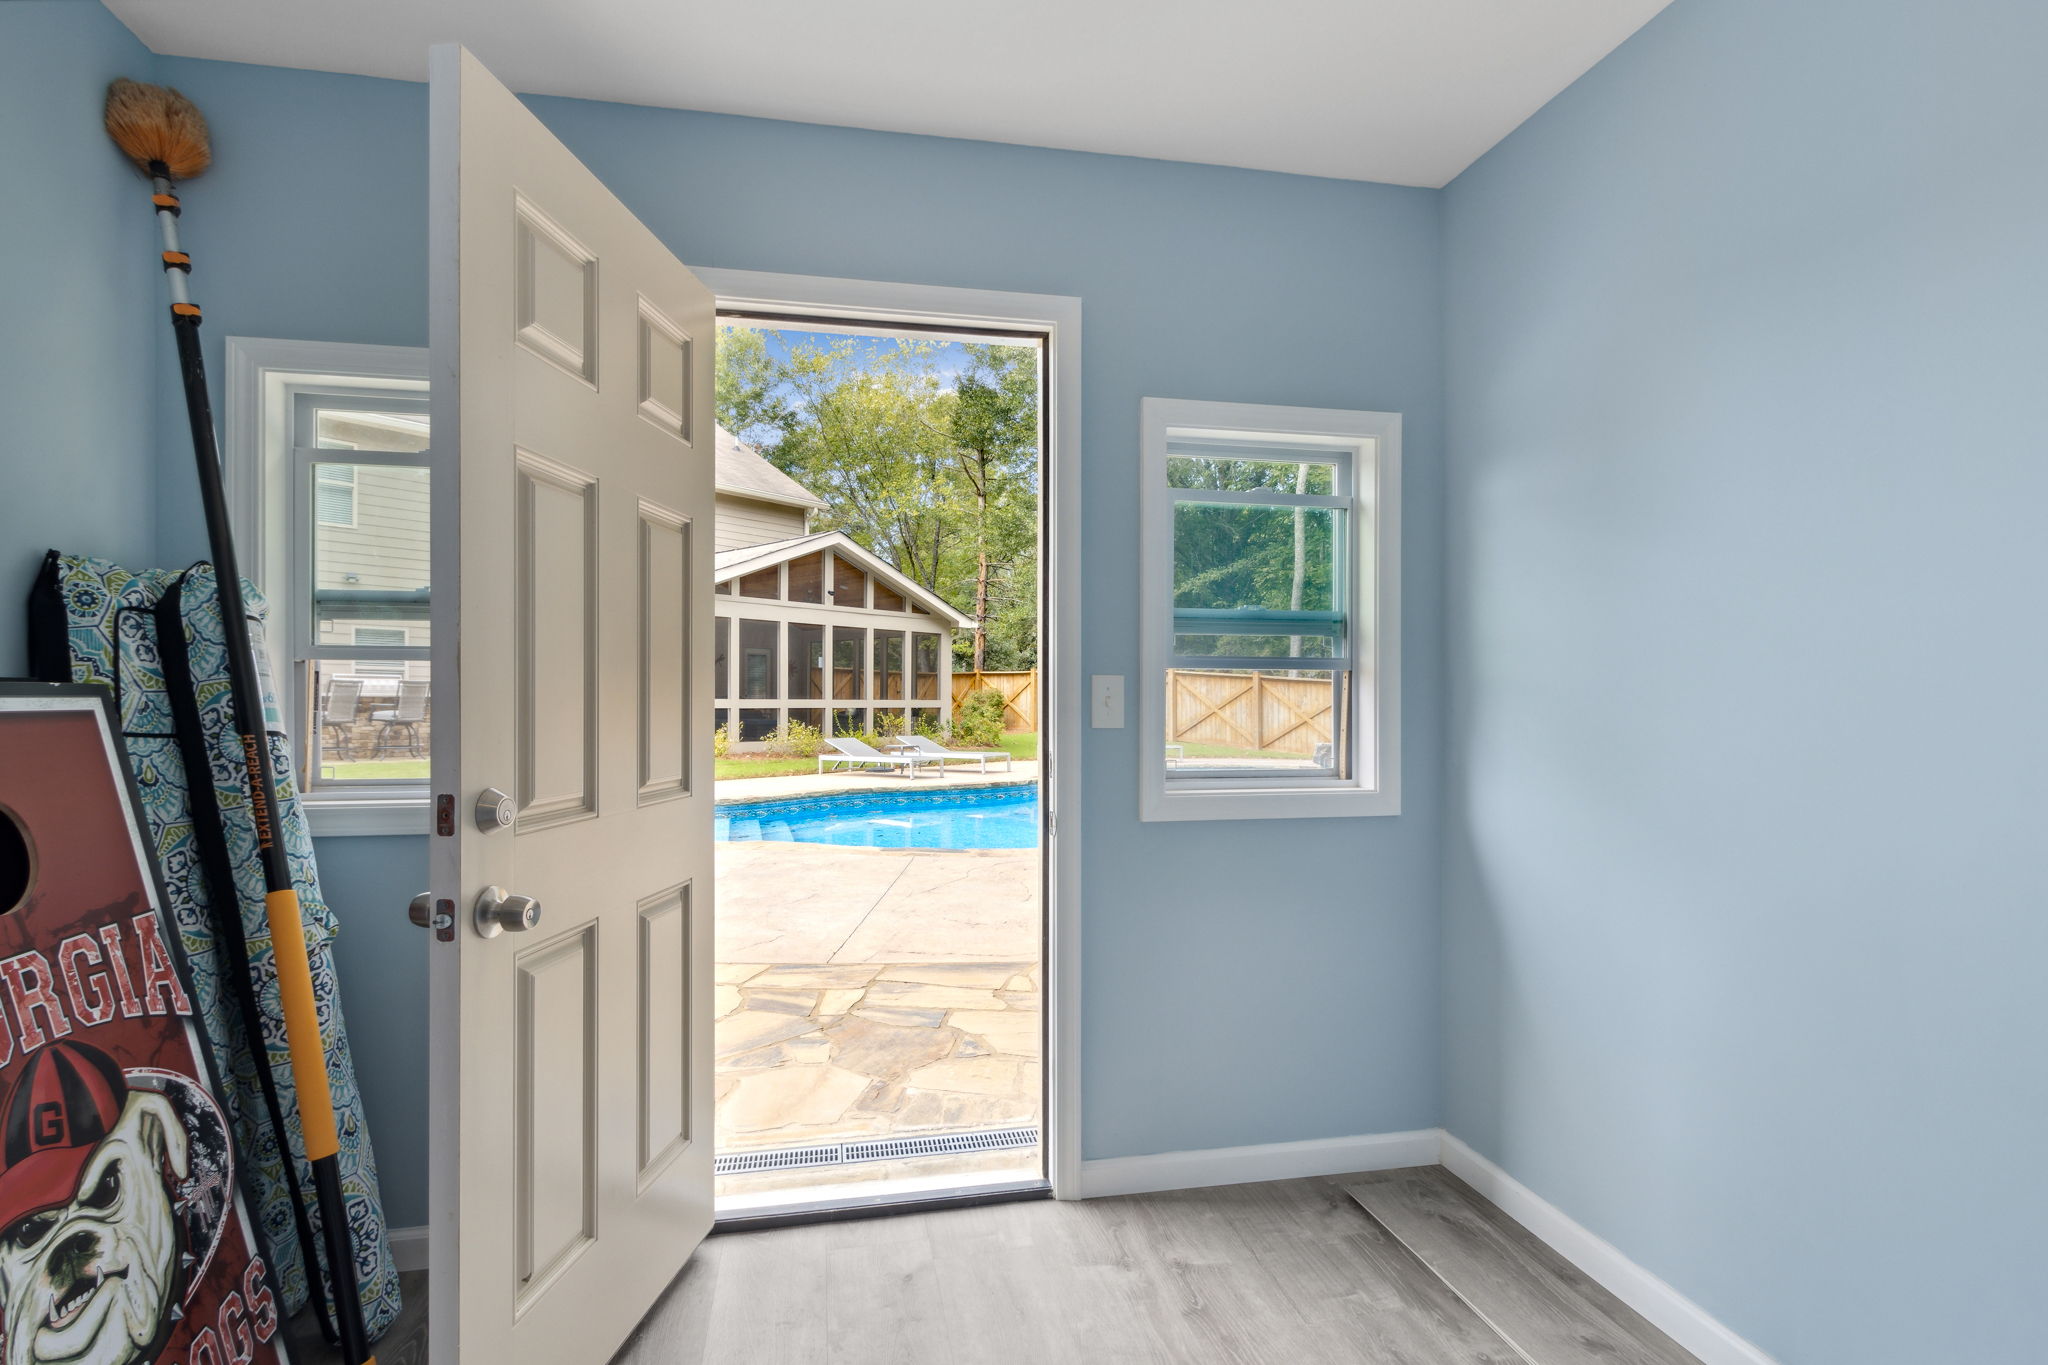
(750, 404)
(995, 449)
(936, 474)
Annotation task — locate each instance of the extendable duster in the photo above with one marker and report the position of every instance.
(164, 134)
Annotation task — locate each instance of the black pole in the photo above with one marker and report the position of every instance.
(281, 897)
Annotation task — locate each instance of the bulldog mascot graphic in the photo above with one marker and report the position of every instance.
(123, 1240)
(92, 1253)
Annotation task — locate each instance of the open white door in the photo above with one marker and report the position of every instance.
(571, 1069)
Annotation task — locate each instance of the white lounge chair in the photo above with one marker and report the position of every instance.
(860, 754)
(926, 745)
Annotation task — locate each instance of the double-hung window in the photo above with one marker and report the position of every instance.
(329, 476)
(363, 590)
(1271, 618)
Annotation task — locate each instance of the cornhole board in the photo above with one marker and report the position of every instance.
(123, 1234)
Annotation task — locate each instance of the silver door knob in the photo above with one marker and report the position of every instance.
(498, 912)
(421, 911)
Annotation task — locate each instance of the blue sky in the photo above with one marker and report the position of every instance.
(949, 360)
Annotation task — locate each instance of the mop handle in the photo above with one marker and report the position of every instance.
(280, 896)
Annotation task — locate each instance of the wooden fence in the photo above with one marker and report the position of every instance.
(1233, 710)
(1020, 696)
(1248, 711)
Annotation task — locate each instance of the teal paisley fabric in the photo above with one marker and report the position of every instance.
(111, 628)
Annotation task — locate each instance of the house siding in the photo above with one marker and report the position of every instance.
(746, 521)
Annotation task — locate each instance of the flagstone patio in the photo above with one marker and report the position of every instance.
(873, 992)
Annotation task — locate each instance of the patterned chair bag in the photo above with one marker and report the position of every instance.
(154, 638)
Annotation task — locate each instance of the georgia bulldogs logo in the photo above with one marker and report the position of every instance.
(92, 1249)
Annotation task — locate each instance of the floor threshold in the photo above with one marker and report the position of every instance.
(881, 1205)
(856, 1150)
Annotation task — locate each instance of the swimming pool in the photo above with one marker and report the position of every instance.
(959, 818)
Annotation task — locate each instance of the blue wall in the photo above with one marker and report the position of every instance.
(1745, 889)
(1245, 983)
(84, 305)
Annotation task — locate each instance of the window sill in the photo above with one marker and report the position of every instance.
(335, 817)
(1267, 803)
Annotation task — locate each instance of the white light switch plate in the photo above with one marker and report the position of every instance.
(1106, 701)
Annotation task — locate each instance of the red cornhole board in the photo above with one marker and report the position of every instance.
(123, 1236)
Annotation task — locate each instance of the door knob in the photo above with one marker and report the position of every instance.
(498, 911)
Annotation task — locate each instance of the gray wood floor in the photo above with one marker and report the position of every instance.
(405, 1343)
(1394, 1268)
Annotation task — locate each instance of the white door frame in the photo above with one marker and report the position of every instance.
(1059, 317)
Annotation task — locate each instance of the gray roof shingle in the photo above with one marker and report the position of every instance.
(743, 472)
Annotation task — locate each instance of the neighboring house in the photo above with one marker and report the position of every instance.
(371, 543)
(813, 627)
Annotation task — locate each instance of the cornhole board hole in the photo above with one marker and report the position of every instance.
(123, 1235)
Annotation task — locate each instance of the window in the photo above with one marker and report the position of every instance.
(330, 492)
(1270, 612)
(924, 662)
(807, 578)
(379, 636)
(849, 584)
(888, 665)
(763, 583)
(361, 629)
(721, 666)
(334, 495)
(886, 598)
(806, 661)
(849, 663)
(758, 641)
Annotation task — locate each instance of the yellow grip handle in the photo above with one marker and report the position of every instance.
(302, 1023)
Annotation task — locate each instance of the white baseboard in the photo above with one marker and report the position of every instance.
(1270, 1161)
(1678, 1317)
(409, 1248)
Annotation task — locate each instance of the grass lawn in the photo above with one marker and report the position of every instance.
(759, 765)
(755, 765)
(1235, 751)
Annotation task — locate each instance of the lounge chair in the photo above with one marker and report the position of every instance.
(860, 754)
(925, 744)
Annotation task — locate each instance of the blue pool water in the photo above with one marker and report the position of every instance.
(970, 817)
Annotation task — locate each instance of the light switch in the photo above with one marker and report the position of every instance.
(1106, 701)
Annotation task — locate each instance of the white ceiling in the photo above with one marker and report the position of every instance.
(1404, 91)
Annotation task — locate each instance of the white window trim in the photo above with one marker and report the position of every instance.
(262, 373)
(1376, 786)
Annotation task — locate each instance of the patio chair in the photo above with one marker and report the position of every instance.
(338, 713)
(925, 744)
(404, 718)
(857, 753)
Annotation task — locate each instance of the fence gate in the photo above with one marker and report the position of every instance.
(1020, 696)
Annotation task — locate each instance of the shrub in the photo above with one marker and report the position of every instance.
(720, 742)
(978, 719)
(796, 740)
(888, 724)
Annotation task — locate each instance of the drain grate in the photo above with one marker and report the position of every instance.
(876, 1149)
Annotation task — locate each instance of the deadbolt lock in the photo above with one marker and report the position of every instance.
(423, 913)
(494, 810)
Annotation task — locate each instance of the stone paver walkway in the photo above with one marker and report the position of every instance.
(870, 992)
